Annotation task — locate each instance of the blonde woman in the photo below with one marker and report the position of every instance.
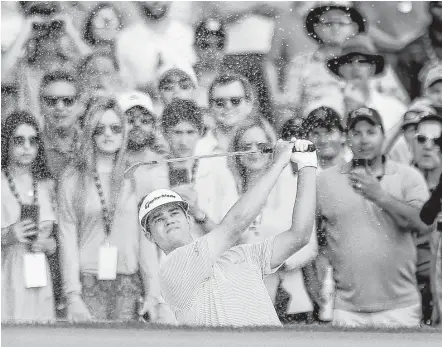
(275, 217)
(102, 248)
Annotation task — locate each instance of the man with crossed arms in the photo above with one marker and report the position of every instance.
(213, 281)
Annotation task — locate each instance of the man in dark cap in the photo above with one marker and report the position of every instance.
(370, 207)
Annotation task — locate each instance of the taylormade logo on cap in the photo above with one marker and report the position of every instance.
(159, 198)
(148, 203)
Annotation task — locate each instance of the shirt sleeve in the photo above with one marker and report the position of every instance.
(184, 272)
(261, 254)
(416, 191)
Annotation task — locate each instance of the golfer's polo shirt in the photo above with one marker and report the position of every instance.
(374, 260)
(229, 293)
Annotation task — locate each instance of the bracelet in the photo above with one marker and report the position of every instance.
(202, 221)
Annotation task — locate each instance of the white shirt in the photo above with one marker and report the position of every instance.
(229, 293)
(141, 49)
(216, 189)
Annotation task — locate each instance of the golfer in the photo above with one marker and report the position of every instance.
(212, 281)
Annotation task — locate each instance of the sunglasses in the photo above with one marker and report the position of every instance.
(19, 141)
(222, 102)
(249, 146)
(206, 45)
(424, 140)
(168, 85)
(101, 129)
(52, 101)
(411, 116)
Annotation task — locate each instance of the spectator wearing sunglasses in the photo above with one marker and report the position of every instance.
(428, 160)
(406, 130)
(145, 141)
(48, 41)
(107, 263)
(60, 109)
(357, 66)
(370, 208)
(231, 102)
(26, 183)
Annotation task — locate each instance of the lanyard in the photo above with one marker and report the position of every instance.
(106, 215)
(14, 191)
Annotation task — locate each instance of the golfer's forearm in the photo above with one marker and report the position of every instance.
(242, 214)
(304, 211)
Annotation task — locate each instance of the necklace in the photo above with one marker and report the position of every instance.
(106, 215)
(14, 191)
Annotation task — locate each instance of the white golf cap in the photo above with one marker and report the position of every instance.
(159, 198)
(131, 99)
(187, 69)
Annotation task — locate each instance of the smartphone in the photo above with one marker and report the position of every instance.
(32, 212)
(178, 177)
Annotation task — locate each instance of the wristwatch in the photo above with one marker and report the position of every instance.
(202, 221)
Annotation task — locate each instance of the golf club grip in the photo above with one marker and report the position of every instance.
(311, 148)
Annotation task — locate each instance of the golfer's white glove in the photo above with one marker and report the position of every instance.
(301, 156)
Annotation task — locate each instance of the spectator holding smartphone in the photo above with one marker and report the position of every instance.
(370, 208)
(27, 221)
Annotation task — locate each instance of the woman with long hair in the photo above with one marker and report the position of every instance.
(275, 217)
(106, 261)
(28, 219)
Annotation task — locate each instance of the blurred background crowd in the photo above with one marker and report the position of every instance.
(88, 88)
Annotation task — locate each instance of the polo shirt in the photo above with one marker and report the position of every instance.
(230, 292)
(374, 260)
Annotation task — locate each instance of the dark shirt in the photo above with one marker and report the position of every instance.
(413, 58)
(432, 207)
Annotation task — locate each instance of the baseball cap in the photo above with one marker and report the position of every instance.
(364, 113)
(322, 117)
(432, 75)
(157, 198)
(419, 108)
(426, 116)
(186, 69)
(131, 99)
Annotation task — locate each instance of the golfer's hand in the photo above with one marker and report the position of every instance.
(282, 152)
(78, 312)
(301, 156)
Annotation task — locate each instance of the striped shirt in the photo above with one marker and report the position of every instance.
(229, 293)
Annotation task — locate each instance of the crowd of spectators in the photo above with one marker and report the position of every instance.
(90, 88)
